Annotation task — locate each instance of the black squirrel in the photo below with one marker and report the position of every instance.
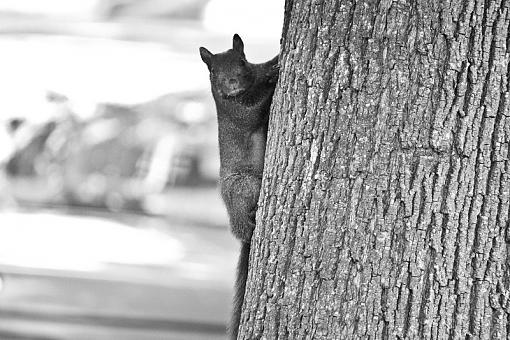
(243, 93)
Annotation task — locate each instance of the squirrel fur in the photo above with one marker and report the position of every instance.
(243, 93)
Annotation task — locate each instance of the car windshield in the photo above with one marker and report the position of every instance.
(111, 222)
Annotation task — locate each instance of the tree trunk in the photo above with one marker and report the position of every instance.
(384, 210)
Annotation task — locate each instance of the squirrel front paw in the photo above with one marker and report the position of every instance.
(272, 74)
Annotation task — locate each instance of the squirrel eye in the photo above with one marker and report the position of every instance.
(242, 62)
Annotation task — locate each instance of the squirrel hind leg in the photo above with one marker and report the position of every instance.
(240, 194)
(242, 220)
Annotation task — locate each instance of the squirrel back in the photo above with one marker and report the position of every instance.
(243, 93)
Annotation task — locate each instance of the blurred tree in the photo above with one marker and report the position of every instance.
(385, 204)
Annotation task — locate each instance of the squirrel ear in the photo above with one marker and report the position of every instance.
(237, 43)
(206, 55)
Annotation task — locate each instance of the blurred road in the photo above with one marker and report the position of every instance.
(85, 277)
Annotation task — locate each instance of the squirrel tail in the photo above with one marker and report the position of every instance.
(240, 287)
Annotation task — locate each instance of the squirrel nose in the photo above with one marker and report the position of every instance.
(232, 81)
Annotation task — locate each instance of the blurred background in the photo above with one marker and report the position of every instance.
(111, 224)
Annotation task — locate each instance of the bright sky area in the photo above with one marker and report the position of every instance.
(92, 70)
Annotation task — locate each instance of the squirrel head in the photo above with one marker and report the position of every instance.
(231, 75)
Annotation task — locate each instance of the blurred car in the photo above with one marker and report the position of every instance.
(120, 155)
(67, 276)
(128, 152)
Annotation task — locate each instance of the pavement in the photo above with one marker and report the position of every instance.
(92, 277)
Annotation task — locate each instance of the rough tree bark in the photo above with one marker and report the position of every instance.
(384, 211)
